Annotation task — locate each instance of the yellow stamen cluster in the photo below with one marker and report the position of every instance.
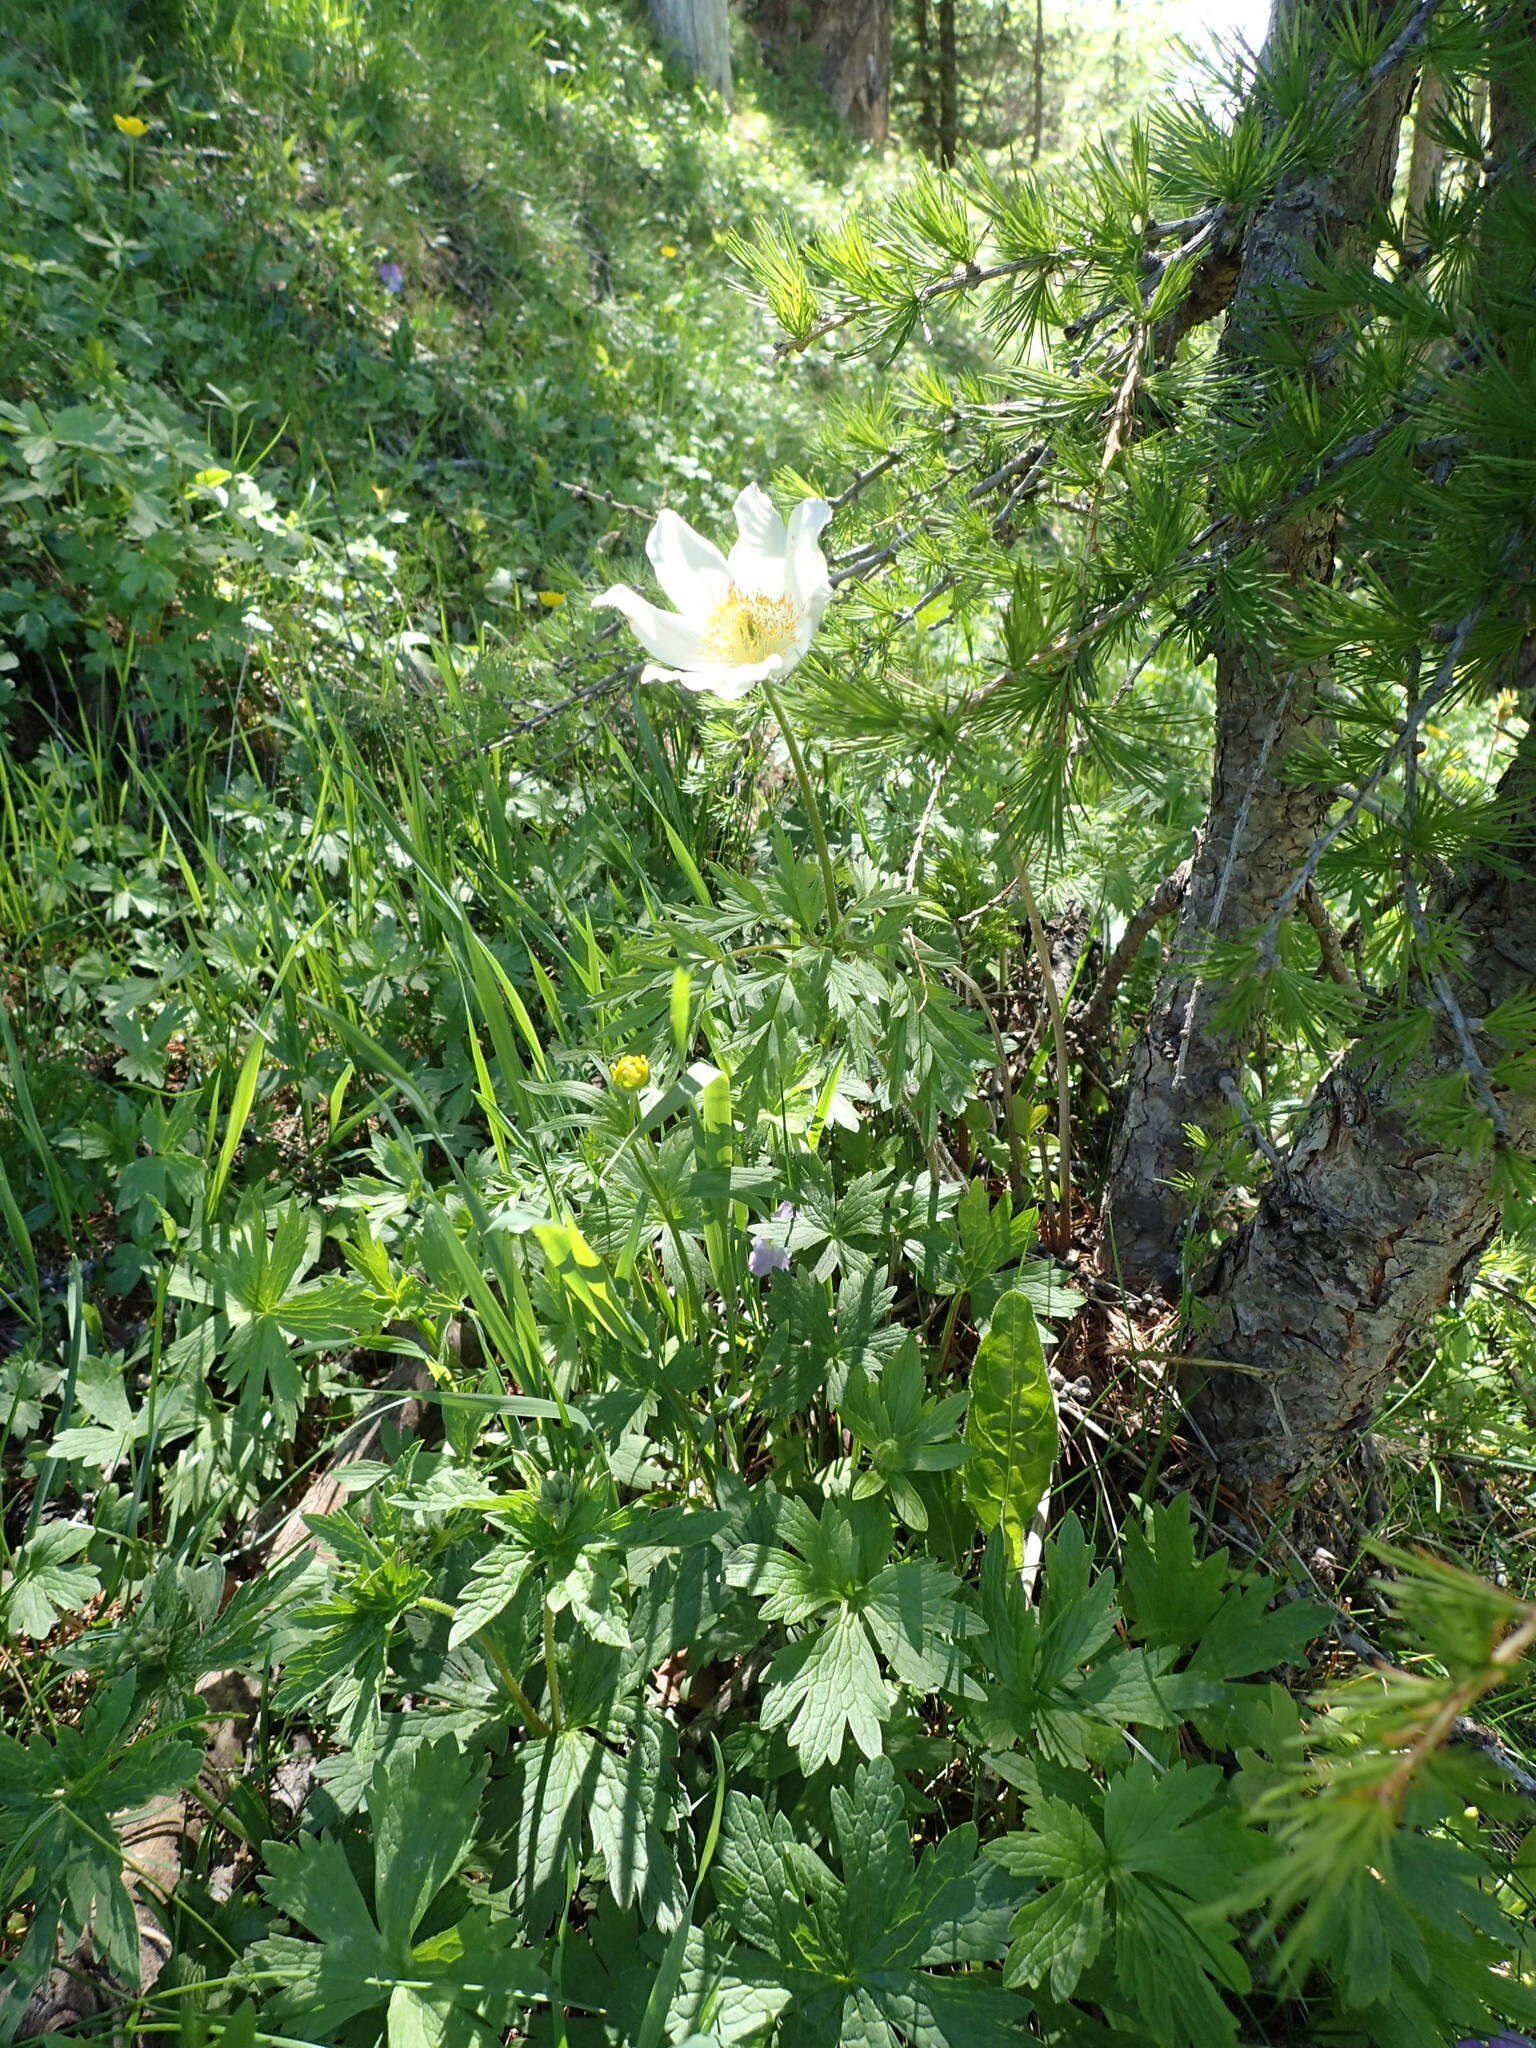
(745, 628)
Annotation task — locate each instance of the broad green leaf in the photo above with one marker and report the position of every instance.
(1011, 1427)
(465, 1983)
(827, 1686)
(857, 1949)
(44, 1583)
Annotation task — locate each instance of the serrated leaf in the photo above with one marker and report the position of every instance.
(828, 1686)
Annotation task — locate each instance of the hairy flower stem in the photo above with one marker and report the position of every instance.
(1062, 1222)
(812, 807)
(556, 1713)
(537, 1725)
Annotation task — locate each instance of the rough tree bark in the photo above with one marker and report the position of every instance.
(699, 31)
(927, 113)
(1259, 822)
(949, 85)
(1369, 1227)
(854, 41)
(1427, 155)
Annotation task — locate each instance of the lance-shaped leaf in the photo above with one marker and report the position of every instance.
(1011, 1427)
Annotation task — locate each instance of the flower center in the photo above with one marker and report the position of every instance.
(745, 628)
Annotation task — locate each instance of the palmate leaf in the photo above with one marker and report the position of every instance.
(817, 1346)
(857, 1950)
(1176, 1599)
(1059, 1682)
(59, 1802)
(832, 1576)
(1139, 1877)
(723, 1993)
(611, 1783)
(44, 1582)
(254, 1283)
(827, 1687)
(465, 1983)
(902, 1431)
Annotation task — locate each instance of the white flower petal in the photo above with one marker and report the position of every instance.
(730, 681)
(660, 633)
(690, 569)
(807, 583)
(757, 559)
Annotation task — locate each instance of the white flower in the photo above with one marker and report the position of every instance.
(741, 619)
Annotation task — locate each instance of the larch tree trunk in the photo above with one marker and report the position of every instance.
(1370, 1226)
(699, 32)
(1427, 155)
(1260, 820)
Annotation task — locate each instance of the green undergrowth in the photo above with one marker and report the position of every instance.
(321, 350)
(744, 1621)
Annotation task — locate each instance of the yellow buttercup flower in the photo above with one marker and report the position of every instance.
(631, 1072)
(551, 599)
(667, 249)
(130, 124)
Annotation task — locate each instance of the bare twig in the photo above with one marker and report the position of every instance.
(588, 496)
(924, 821)
(1255, 1131)
(608, 686)
(1445, 678)
(1162, 903)
(1328, 941)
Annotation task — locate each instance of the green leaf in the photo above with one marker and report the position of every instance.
(828, 1686)
(466, 1983)
(1011, 1427)
(857, 1949)
(58, 1806)
(1148, 1875)
(424, 1805)
(634, 1807)
(43, 1584)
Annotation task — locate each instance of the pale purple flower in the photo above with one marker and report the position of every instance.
(392, 277)
(1499, 2041)
(766, 1257)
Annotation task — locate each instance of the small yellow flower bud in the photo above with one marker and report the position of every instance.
(130, 124)
(631, 1072)
(668, 250)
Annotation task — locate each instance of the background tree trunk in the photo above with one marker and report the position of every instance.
(928, 138)
(949, 85)
(1037, 84)
(699, 31)
(854, 41)
(1259, 823)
